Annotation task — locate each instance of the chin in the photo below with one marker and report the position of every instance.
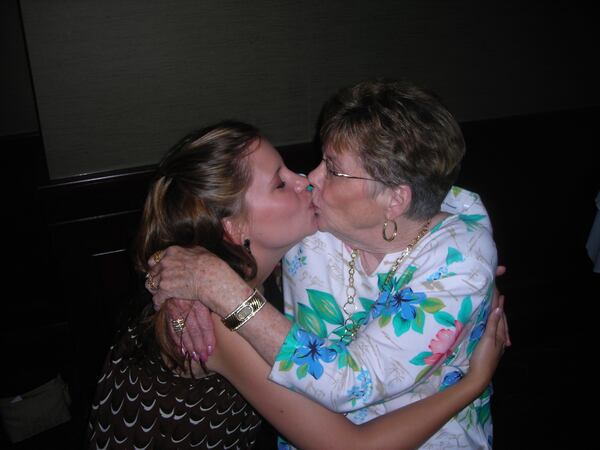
(321, 225)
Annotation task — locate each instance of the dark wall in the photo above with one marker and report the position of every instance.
(17, 105)
(117, 82)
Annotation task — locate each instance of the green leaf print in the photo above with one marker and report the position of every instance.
(380, 280)
(483, 413)
(346, 359)
(384, 320)
(419, 321)
(360, 317)
(340, 331)
(325, 306)
(422, 373)
(288, 348)
(466, 308)
(436, 227)
(352, 364)
(471, 347)
(471, 220)
(405, 278)
(453, 256)
(419, 360)
(286, 366)
(401, 326)
(456, 190)
(302, 371)
(444, 318)
(432, 305)
(310, 321)
(366, 303)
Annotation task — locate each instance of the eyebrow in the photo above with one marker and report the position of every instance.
(332, 161)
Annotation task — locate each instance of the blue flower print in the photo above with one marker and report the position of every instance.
(450, 379)
(282, 444)
(441, 273)
(363, 390)
(310, 350)
(477, 332)
(359, 416)
(405, 301)
(380, 306)
(296, 262)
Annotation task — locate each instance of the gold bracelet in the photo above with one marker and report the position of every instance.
(246, 311)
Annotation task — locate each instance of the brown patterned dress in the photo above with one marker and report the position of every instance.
(141, 404)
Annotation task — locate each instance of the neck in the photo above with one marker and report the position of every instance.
(373, 248)
(266, 260)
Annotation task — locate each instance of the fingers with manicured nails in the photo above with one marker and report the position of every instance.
(178, 309)
(507, 341)
(200, 333)
(504, 320)
(203, 316)
(489, 349)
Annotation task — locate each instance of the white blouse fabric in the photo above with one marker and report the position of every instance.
(418, 334)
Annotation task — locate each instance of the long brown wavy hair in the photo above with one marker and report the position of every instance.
(198, 183)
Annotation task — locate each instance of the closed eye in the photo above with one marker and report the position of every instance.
(329, 167)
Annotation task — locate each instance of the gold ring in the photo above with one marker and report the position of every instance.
(178, 325)
(153, 284)
(157, 256)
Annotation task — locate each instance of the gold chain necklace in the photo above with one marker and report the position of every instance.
(351, 327)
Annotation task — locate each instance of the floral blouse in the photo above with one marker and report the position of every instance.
(418, 331)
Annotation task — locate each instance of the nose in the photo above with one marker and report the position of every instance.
(301, 183)
(316, 175)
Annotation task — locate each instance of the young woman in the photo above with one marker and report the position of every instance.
(226, 189)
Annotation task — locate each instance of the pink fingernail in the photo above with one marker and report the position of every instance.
(210, 350)
(203, 356)
(183, 350)
(195, 357)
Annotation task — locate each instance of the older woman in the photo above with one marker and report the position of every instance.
(391, 297)
(224, 187)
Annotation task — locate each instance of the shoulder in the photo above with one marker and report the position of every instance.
(466, 205)
(318, 244)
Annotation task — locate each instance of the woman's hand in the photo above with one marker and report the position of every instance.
(194, 274)
(187, 275)
(197, 339)
(490, 348)
(175, 273)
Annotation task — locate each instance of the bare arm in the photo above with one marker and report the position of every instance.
(311, 426)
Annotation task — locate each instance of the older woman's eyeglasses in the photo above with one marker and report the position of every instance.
(331, 170)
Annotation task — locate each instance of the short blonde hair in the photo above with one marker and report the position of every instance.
(402, 134)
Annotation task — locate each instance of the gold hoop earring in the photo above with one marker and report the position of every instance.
(390, 239)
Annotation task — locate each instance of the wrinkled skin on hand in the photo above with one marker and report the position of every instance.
(195, 280)
(198, 337)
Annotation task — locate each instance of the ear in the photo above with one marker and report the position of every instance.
(399, 201)
(235, 230)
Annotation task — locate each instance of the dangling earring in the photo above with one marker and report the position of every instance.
(390, 239)
(247, 245)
